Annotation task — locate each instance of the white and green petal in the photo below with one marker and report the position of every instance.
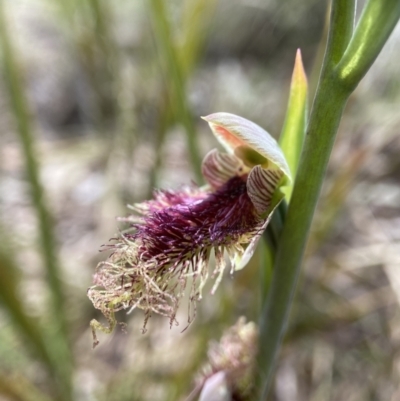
(248, 141)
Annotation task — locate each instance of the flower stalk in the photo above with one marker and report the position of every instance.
(347, 58)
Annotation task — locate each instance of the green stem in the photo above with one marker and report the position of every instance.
(163, 123)
(326, 113)
(376, 23)
(333, 91)
(175, 76)
(342, 18)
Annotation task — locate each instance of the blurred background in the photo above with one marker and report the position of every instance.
(100, 102)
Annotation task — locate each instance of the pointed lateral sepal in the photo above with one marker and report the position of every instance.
(243, 137)
(242, 259)
(218, 168)
(294, 128)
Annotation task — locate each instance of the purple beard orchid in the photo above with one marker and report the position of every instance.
(174, 235)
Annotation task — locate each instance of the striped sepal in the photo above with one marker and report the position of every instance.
(218, 167)
(261, 185)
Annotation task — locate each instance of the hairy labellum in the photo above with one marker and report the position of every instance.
(173, 242)
(186, 230)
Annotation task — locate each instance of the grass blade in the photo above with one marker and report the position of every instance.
(174, 75)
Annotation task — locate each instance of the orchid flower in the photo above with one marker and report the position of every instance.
(173, 236)
(229, 373)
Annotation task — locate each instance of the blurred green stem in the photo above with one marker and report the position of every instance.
(47, 238)
(163, 123)
(27, 324)
(175, 78)
(195, 21)
(347, 59)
